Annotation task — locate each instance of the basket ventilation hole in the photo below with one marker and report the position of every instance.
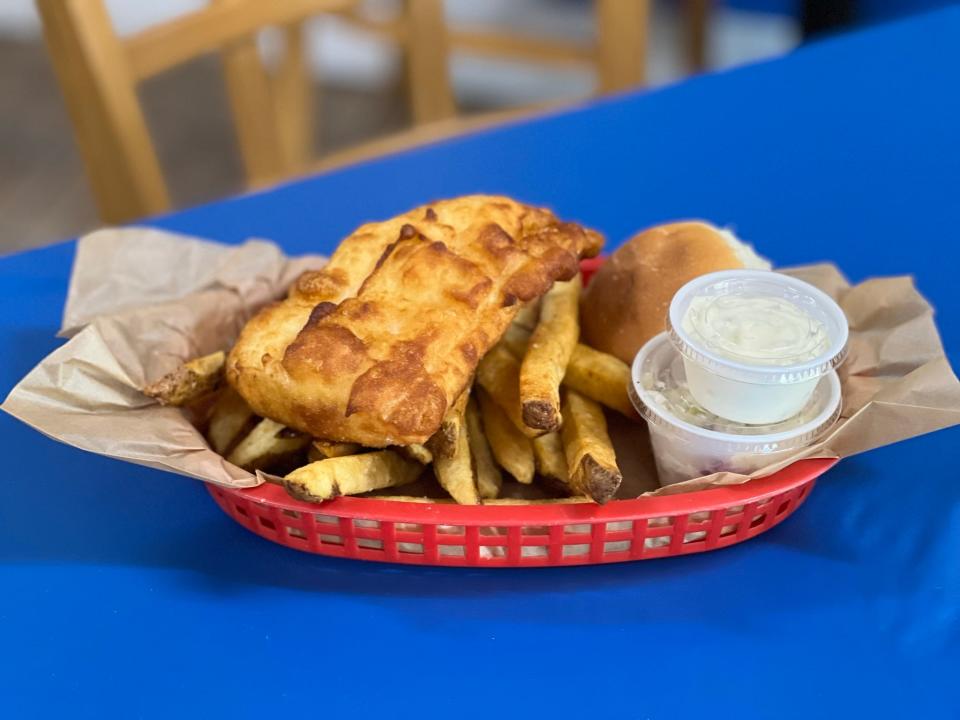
(491, 531)
(577, 549)
(695, 536)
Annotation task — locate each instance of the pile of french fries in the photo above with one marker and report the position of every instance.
(534, 411)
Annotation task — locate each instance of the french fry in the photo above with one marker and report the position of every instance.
(485, 468)
(266, 443)
(590, 372)
(499, 374)
(516, 338)
(189, 382)
(512, 451)
(541, 501)
(601, 377)
(549, 458)
(230, 417)
(443, 443)
(323, 449)
(528, 315)
(350, 475)
(548, 353)
(591, 460)
(418, 452)
(418, 499)
(494, 501)
(455, 472)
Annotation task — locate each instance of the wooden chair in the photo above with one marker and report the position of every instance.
(697, 17)
(618, 52)
(99, 71)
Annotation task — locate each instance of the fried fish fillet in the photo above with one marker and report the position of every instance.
(375, 346)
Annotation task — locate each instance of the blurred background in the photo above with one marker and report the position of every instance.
(359, 80)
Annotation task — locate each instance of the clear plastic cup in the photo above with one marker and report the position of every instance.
(689, 441)
(755, 343)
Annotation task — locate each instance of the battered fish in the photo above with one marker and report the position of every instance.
(374, 347)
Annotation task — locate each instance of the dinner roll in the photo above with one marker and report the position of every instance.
(626, 302)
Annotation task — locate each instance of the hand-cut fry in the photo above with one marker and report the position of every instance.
(351, 474)
(443, 443)
(189, 382)
(485, 468)
(418, 452)
(516, 338)
(455, 472)
(551, 346)
(512, 451)
(419, 499)
(596, 374)
(540, 501)
(601, 377)
(528, 315)
(499, 374)
(266, 443)
(591, 459)
(494, 501)
(230, 418)
(323, 449)
(550, 460)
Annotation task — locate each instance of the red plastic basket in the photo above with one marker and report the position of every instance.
(524, 535)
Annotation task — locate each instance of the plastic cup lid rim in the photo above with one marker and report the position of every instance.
(759, 374)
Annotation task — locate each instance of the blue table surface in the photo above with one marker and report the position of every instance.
(125, 592)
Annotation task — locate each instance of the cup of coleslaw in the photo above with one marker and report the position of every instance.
(689, 441)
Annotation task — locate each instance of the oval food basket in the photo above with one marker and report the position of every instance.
(425, 533)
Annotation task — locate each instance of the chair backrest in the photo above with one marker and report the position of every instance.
(618, 52)
(99, 71)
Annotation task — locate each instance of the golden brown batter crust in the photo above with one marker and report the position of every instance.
(375, 346)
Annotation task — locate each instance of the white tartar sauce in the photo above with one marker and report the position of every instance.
(756, 330)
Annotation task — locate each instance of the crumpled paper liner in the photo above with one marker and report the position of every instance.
(141, 301)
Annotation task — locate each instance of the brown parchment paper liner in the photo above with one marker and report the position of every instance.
(140, 301)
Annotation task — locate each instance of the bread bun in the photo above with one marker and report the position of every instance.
(626, 302)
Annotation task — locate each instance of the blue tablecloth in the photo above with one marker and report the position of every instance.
(125, 592)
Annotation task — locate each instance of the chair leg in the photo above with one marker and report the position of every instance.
(293, 101)
(621, 43)
(697, 17)
(427, 61)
